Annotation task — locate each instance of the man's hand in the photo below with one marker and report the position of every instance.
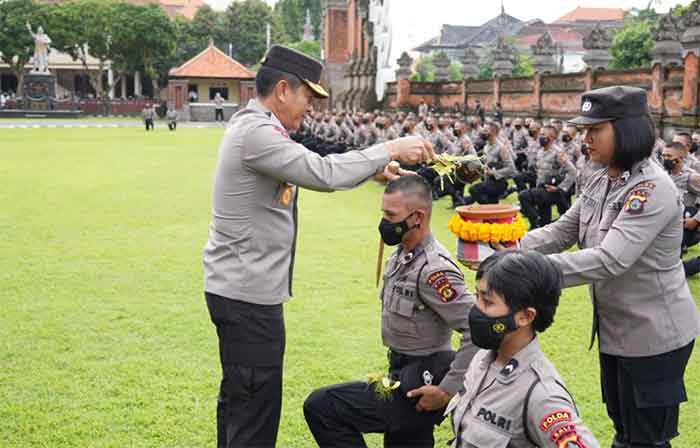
(690, 224)
(411, 150)
(551, 188)
(432, 398)
(390, 172)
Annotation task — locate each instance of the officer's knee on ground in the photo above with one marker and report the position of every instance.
(315, 404)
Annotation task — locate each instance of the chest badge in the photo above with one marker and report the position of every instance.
(286, 194)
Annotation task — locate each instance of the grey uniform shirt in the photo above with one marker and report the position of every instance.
(250, 252)
(629, 231)
(688, 184)
(500, 159)
(549, 165)
(585, 169)
(492, 409)
(424, 299)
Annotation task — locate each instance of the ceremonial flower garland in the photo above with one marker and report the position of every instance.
(488, 232)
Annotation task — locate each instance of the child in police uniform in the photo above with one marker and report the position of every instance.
(512, 395)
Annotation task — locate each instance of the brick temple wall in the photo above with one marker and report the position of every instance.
(672, 92)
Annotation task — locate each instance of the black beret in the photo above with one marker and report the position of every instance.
(611, 103)
(297, 63)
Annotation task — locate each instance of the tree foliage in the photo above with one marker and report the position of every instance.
(244, 27)
(425, 69)
(632, 44)
(310, 47)
(292, 16)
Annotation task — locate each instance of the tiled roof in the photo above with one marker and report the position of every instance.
(592, 15)
(212, 63)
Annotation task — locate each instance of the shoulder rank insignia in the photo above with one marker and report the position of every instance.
(440, 282)
(635, 203)
(566, 437)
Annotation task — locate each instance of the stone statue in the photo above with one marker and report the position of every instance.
(41, 49)
(545, 45)
(598, 39)
(667, 29)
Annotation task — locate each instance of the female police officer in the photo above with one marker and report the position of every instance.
(512, 395)
(627, 223)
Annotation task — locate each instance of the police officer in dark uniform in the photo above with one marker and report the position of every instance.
(627, 223)
(424, 299)
(249, 258)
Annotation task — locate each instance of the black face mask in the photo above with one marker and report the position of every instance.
(393, 232)
(517, 126)
(380, 126)
(507, 125)
(532, 133)
(527, 126)
(429, 127)
(544, 141)
(584, 150)
(566, 138)
(670, 164)
(457, 133)
(484, 136)
(488, 332)
(694, 147)
(406, 129)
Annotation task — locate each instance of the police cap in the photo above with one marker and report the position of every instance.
(611, 103)
(304, 67)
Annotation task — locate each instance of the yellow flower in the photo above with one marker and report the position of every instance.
(488, 232)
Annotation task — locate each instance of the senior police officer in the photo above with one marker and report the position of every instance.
(628, 225)
(249, 258)
(512, 395)
(424, 299)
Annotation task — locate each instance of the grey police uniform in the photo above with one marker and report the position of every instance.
(250, 253)
(629, 232)
(424, 299)
(537, 202)
(522, 405)
(688, 184)
(499, 157)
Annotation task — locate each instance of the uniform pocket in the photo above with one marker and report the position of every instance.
(660, 394)
(479, 435)
(402, 318)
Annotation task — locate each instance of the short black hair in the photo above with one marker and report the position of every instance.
(525, 279)
(675, 146)
(634, 140)
(415, 186)
(267, 78)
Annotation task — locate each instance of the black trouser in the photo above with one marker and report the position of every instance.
(251, 349)
(642, 396)
(149, 123)
(536, 205)
(172, 125)
(489, 191)
(338, 415)
(525, 180)
(219, 115)
(521, 162)
(690, 237)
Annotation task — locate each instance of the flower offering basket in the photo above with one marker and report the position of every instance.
(479, 227)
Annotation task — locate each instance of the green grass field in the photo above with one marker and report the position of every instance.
(105, 339)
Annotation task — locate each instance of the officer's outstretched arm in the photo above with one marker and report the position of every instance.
(268, 149)
(553, 421)
(646, 212)
(557, 236)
